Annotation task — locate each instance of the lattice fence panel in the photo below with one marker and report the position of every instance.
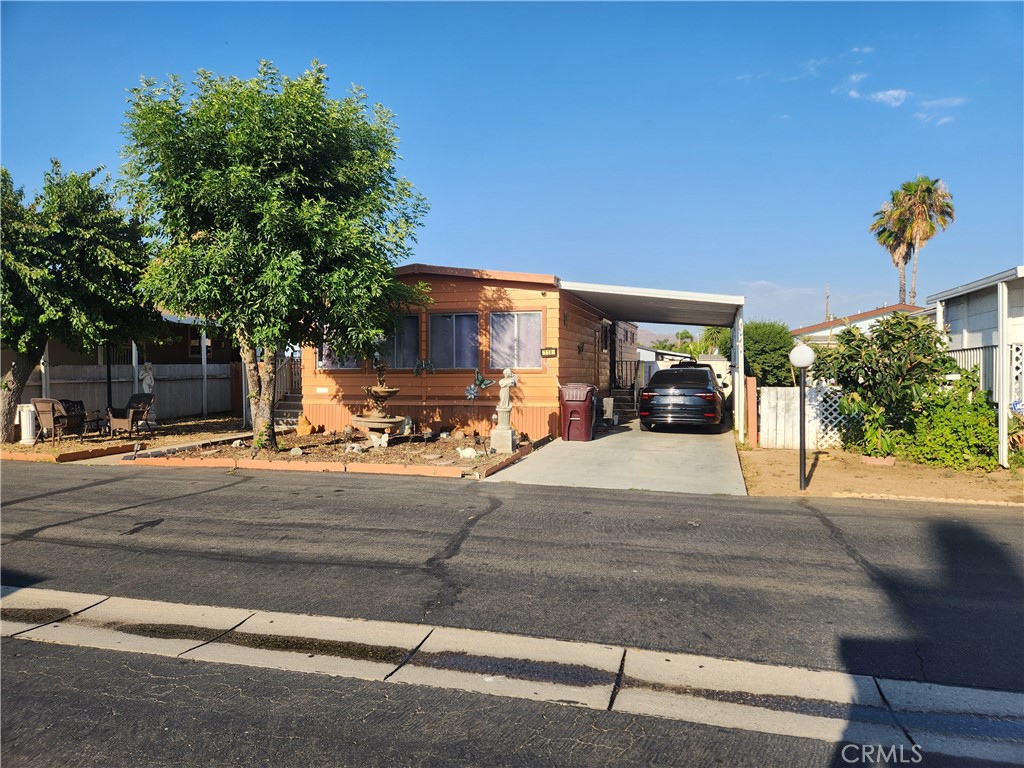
(1017, 377)
(823, 407)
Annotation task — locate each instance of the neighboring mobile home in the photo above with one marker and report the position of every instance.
(824, 334)
(985, 324)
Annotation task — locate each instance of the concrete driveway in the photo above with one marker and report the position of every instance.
(679, 459)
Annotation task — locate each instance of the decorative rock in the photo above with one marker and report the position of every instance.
(305, 426)
(459, 434)
(353, 448)
(296, 451)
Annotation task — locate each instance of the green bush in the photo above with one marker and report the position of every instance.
(956, 427)
(766, 346)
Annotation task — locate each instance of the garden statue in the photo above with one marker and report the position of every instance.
(503, 437)
(146, 376)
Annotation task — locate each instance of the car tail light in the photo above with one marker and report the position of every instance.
(645, 395)
(644, 413)
(706, 395)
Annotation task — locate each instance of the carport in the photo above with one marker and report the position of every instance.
(663, 460)
(653, 305)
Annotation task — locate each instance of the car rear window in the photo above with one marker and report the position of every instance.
(681, 377)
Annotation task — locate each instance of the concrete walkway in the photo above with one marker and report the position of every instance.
(677, 459)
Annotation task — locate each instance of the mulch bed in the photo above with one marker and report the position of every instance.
(344, 449)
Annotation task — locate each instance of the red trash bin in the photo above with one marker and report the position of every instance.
(578, 413)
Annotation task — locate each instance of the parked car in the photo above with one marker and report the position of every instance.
(689, 394)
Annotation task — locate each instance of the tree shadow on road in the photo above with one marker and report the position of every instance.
(965, 629)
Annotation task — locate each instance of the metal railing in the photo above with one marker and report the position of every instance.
(982, 357)
(625, 373)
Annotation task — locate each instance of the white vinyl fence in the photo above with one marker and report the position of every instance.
(779, 416)
(178, 388)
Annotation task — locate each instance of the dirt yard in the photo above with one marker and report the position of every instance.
(837, 473)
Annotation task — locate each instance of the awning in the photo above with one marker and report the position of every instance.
(655, 305)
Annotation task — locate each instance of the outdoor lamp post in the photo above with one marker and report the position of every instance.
(802, 357)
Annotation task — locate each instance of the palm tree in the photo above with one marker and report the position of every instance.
(915, 212)
(888, 231)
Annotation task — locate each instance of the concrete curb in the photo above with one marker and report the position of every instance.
(61, 458)
(825, 705)
(887, 497)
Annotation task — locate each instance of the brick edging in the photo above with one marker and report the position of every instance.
(302, 466)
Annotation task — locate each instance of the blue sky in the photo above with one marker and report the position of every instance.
(714, 147)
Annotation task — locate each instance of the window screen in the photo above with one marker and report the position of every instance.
(454, 341)
(515, 339)
(402, 350)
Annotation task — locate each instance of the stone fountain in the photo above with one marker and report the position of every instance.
(379, 394)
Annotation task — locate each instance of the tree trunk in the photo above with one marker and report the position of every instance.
(902, 268)
(261, 395)
(913, 274)
(11, 387)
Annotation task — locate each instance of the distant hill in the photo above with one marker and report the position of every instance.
(646, 337)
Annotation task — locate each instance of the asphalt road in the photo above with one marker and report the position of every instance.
(904, 590)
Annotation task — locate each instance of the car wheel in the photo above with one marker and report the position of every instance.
(646, 426)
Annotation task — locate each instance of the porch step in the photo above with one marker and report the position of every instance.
(288, 410)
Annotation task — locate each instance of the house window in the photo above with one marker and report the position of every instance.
(454, 341)
(195, 338)
(402, 349)
(331, 362)
(515, 339)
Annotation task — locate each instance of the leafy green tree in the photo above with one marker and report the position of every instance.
(278, 213)
(914, 213)
(72, 261)
(766, 346)
(886, 374)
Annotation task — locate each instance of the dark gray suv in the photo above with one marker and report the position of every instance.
(686, 395)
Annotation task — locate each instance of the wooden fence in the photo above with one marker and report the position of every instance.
(779, 416)
(178, 388)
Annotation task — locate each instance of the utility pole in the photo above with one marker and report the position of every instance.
(827, 315)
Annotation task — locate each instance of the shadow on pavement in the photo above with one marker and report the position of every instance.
(966, 628)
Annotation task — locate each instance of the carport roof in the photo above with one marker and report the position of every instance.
(656, 305)
(616, 302)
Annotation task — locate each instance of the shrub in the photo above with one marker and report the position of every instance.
(956, 427)
(886, 376)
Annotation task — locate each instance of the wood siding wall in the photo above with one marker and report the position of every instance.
(581, 358)
(330, 397)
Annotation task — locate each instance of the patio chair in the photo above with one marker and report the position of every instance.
(130, 418)
(56, 419)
